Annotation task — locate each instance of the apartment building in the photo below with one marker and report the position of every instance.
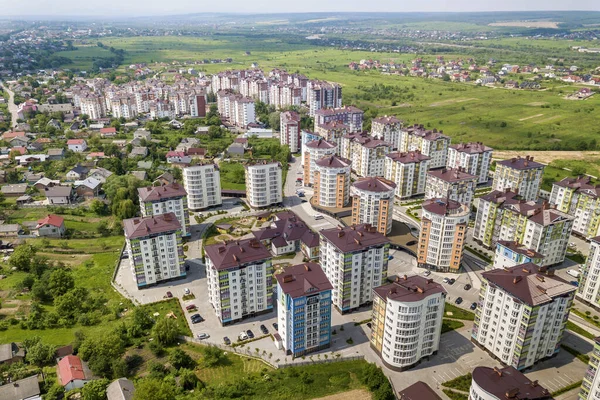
(431, 143)
(579, 198)
(589, 287)
(155, 249)
(443, 234)
(502, 383)
(387, 129)
(332, 182)
(522, 314)
(203, 186)
(289, 132)
(508, 254)
(321, 94)
(368, 155)
(123, 107)
(590, 386)
(489, 216)
(408, 171)
(93, 106)
(348, 115)
(373, 203)
(171, 198)
(239, 276)
(355, 260)
(522, 175)
(244, 112)
(313, 151)
(407, 320)
(197, 105)
(303, 309)
(263, 184)
(475, 158)
(333, 132)
(455, 184)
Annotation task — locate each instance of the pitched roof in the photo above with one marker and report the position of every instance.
(303, 279)
(471, 148)
(16, 188)
(120, 389)
(451, 175)
(374, 184)
(70, 368)
(508, 383)
(354, 237)
(386, 120)
(529, 283)
(408, 157)
(51, 219)
(75, 141)
(409, 289)
(520, 249)
(163, 192)
(141, 227)
(58, 191)
(321, 144)
(236, 253)
(333, 162)
(444, 206)
(521, 163)
(418, 391)
(581, 184)
(22, 389)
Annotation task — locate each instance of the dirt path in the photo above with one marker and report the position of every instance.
(533, 116)
(12, 107)
(451, 101)
(358, 394)
(548, 156)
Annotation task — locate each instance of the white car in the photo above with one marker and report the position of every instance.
(186, 291)
(202, 336)
(318, 216)
(243, 335)
(427, 273)
(573, 273)
(446, 280)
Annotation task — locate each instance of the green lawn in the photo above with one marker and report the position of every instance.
(232, 176)
(462, 383)
(458, 313)
(451, 325)
(584, 358)
(84, 56)
(579, 330)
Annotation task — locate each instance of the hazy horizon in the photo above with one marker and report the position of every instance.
(139, 8)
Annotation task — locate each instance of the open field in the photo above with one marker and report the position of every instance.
(84, 56)
(527, 24)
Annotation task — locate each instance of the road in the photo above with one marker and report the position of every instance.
(12, 107)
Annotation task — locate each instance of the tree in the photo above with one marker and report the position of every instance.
(188, 379)
(125, 209)
(141, 320)
(166, 331)
(153, 389)
(22, 256)
(71, 304)
(60, 282)
(578, 170)
(180, 359)
(55, 392)
(275, 121)
(212, 356)
(101, 351)
(98, 207)
(38, 353)
(95, 390)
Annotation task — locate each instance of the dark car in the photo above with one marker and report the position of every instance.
(190, 307)
(300, 194)
(250, 334)
(226, 340)
(168, 295)
(467, 286)
(473, 306)
(275, 326)
(264, 329)
(451, 281)
(575, 283)
(187, 267)
(369, 325)
(411, 243)
(458, 300)
(196, 318)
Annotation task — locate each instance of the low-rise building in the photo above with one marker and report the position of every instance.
(407, 320)
(332, 182)
(304, 309)
(22, 389)
(289, 234)
(454, 184)
(77, 145)
(522, 175)
(11, 353)
(579, 198)
(263, 184)
(171, 198)
(120, 389)
(155, 249)
(51, 226)
(373, 203)
(474, 158)
(443, 234)
(408, 171)
(504, 383)
(534, 307)
(73, 373)
(355, 260)
(240, 279)
(203, 186)
(58, 194)
(14, 190)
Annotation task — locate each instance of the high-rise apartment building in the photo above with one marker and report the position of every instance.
(387, 129)
(455, 184)
(289, 132)
(313, 151)
(475, 158)
(332, 182)
(432, 143)
(171, 198)
(373, 203)
(508, 254)
(408, 171)
(590, 386)
(263, 184)
(589, 284)
(203, 186)
(522, 175)
(579, 198)
(489, 216)
(348, 115)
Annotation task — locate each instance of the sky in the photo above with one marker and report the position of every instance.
(161, 7)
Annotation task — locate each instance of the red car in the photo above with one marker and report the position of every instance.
(190, 307)
(168, 295)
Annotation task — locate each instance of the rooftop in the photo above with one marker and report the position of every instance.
(333, 162)
(581, 184)
(521, 163)
(471, 148)
(444, 206)
(500, 197)
(509, 383)
(520, 249)
(374, 184)
(408, 157)
(141, 227)
(418, 391)
(70, 368)
(163, 192)
(452, 175)
(237, 253)
(354, 238)
(321, 144)
(303, 279)
(409, 289)
(53, 220)
(22, 389)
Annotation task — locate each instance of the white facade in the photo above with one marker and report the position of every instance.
(203, 186)
(244, 113)
(313, 151)
(408, 171)
(289, 132)
(264, 184)
(332, 180)
(453, 184)
(589, 284)
(77, 145)
(475, 158)
(373, 203)
(521, 174)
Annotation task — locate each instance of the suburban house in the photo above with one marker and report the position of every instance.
(19, 141)
(100, 174)
(25, 199)
(73, 373)
(23, 389)
(141, 175)
(95, 154)
(77, 145)
(77, 172)
(108, 132)
(51, 226)
(178, 157)
(165, 179)
(32, 177)
(55, 154)
(11, 353)
(7, 136)
(7, 230)
(59, 194)
(87, 188)
(138, 152)
(142, 134)
(196, 152)
(120, 389)
(30, 159)
(44, 182)
(15, 190)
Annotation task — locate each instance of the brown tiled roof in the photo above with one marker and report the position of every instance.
(419, 130)
(451, 174)
(163, 192)
(303, 279)
(386, 120)
(333, 162)
(596, 239)
(418, 391)
(441, 206)
(500, 197)
(409, 289)
(520, 249)
(521, 163)
(471, 148)
(321, 144)
(408, 157)
(529, 283)
(290, 116)
(140, 227)
(374, 184)
(354, 238)
(581, 184)
(334, 125)
(236, 253)
(370, 142)
(334, 111)
(509, 383)
(288, 227)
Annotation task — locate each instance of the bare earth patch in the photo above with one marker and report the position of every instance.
(537, 103)
(541, 121)
(358, 394)
(547, 157)
(533, 116)
(451, 101)
(527, 24)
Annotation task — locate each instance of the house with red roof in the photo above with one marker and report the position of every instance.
(77, 145)
(108, 132)
(7, 136)
(73, 373)
(51, 226)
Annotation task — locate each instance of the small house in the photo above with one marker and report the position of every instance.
(22, 389)
(56, 154)
(11, 353)
(73, 373)
(16, 190)
(121, 389)
(78, 172)
(77, 145)
(87, 188)
(51, 226)
(7, 230)
(59, 194)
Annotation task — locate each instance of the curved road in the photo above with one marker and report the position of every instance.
(12, 107)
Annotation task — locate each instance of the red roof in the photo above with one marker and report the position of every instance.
(173, 153)
(22, 150)
(96, 154)
(51, 219)
(10, 135)
(108, 130)
(75, 141)
(69, 369)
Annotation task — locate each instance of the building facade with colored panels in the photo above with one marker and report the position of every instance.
(579, 198)
(157, 200)
(590, 386)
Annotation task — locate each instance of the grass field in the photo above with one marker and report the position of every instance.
(84, 56)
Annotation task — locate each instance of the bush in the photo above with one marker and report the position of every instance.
(156, 348)
(462, 382)
(180, 359)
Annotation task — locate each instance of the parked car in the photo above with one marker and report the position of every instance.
(275, 326)
(473, 306)
(451, 281)
(190, 307)
(369, 325)
(575, 283)
(446, 280)
(187, 267)
(427, 273)
(196, 318)
(468, 286)
(203, 336)
(318, 216)
(458, 300)
(250, 334)
(411, 243)
(243, 336)
(186, 291)
(573, 273)
(298, 179)
(226, 340)
(168, 295)
(390, 257)
(264, 329)
(301, 194)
